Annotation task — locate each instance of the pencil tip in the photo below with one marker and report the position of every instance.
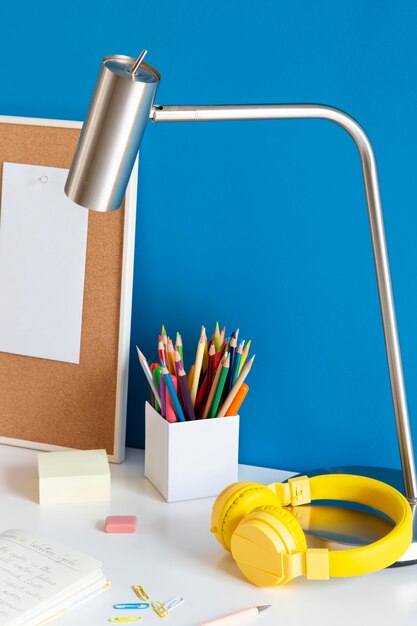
(263, 607)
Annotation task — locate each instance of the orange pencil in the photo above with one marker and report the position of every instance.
(190, 377)
(237, 402)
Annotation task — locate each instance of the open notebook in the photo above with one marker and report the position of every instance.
(40, 579)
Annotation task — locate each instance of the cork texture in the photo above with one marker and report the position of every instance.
(49, 401)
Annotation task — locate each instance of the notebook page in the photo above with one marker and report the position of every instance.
(33, 570)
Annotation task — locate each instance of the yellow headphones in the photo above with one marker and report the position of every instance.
(269, 545)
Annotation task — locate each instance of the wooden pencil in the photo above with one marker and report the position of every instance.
(216, 337)
(190, 376)
(161, 350)
(220, 386)
(179, 347)
(238, 358)
(173, 394)
(198, 364)
(171, 357)
(244, 355)
(205, 357)
(178, 360)
(234, 390)
(185, 394)
(171, 414)
(214, 387)
(237, 402)
(148, 374)
(210, 369)
(232, 352)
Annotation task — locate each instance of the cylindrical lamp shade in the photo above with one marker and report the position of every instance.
(111, 134)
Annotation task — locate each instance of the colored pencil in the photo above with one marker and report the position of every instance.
(173, 394)
(153, 367)
(216, 337)
(237, 402)
(232, 352)
(210, 369)
(238, 358)
(185, 394)
(161, 350)
(222, 334)
(190, 376)
(205, 356)
(163, 390)
(164, 340)
(198, 364)
(171, 415)
(163, 331)
(178, 360)
(244, 355)
(171, 358)
(201, 396)
(213, 388)
(220, 386)
(148, 374)
(234, 390)
(179, 346)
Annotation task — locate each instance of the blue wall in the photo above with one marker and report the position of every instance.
(259, 225)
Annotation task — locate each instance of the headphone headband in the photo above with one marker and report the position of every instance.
(361, 490)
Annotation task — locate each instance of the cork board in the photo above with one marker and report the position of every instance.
(49, 404)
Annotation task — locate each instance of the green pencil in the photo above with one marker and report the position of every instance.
(220, 387)
(178, 345)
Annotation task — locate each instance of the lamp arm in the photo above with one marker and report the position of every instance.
(370, 176)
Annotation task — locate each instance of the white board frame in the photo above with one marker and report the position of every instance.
(126, 294)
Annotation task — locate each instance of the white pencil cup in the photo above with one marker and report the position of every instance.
(193, 459)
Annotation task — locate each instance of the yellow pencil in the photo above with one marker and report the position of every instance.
(216, 337)
(198, 364)
(234, 390)
(244, 355)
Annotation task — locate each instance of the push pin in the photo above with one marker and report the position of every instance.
(43, 179)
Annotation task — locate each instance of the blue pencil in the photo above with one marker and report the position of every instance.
(171, 390)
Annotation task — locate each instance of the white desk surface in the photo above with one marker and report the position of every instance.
(174, 554)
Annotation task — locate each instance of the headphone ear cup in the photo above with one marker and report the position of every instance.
(260, 542)
(233, 504)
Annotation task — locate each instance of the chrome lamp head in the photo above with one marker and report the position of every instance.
(111, 135)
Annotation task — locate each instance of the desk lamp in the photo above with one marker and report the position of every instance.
(123, 102)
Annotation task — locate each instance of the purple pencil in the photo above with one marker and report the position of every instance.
(162, 390)
(185, 394)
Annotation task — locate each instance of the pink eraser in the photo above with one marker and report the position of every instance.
(120, 524)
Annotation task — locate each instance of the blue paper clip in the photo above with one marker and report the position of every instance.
(137, 605)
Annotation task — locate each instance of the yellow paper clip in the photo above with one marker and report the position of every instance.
(159, 609)
(140, 592)
(119, 620)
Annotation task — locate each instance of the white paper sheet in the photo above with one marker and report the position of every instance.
(36, 574)
(43, 239)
